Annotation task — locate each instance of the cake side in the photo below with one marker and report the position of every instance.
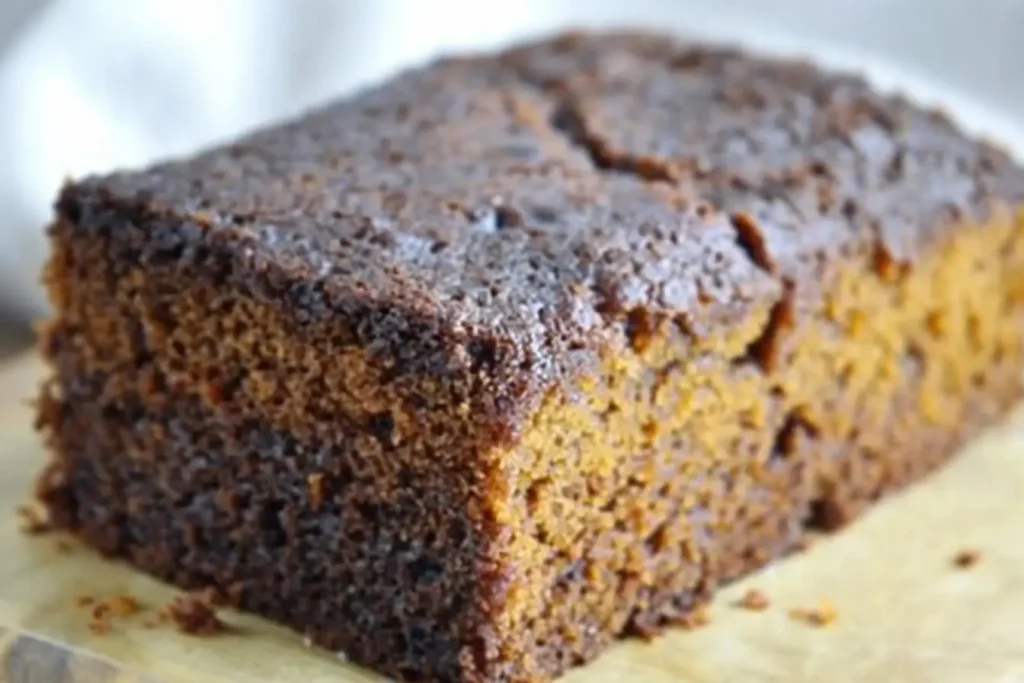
(694, 466)
(897, 244)
(214, 441)
(595, 324)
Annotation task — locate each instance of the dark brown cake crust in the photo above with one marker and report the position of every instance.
(473, 373)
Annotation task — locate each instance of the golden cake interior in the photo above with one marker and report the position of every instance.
(727, 452)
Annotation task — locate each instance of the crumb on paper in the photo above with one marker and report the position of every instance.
(64, 546)
(193, 613)
(821, 615)
(307, 642)
(341, 656)
(754, 600)
(701, 616)
(103, 612)
(32, 520)
(967, 558)
(124, 605)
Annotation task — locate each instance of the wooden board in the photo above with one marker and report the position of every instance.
(905, 612)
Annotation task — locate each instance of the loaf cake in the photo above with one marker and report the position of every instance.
(475, 372)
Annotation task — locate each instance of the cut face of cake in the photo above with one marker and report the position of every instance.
(477, 371)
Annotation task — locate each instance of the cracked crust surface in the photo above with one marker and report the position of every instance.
(555, 340)
(548, 189)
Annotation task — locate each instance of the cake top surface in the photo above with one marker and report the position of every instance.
(542, 192)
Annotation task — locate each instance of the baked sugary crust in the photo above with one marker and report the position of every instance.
(475, 372)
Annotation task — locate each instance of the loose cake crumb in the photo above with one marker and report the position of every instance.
(124, 606)
(103, 612)
(754, 600)
(32, 521)
(822, 615)
(967, 558)
(64, 546)
(194, 614)
(701, 616)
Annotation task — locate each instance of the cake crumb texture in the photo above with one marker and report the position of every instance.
(754, 600)
(194, 613)
(819, 616)
(514, 355)
(967, 558)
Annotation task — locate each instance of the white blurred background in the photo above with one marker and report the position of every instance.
(91, 85)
